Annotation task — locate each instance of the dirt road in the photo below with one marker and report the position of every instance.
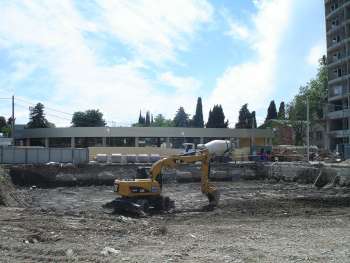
(256, 222)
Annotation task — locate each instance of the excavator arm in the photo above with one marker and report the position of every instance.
(171, 162)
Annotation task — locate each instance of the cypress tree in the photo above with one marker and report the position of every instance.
(148, 119)
(197, 120)
(217, 118)
(282, 111)
(271, 111)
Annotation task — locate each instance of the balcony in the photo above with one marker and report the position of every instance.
(340, 114)
(338, 79)
(337, 61)
(339, 133)
(339, 8)
(334, 46)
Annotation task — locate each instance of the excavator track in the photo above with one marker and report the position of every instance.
(140, 206)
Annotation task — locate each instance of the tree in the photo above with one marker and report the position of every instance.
(246, 120)
(161, 121)
(37, 117)
(181, 118)
(252, 121)
(282, 111)
(89, 118)
(315, 91)
(148, 119)
(216, 118)
(2, 122)
(197, 120)
(271, 111)
(142, 120)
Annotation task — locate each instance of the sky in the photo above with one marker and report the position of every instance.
(122, 56)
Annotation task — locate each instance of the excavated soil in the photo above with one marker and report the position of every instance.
(255, 222)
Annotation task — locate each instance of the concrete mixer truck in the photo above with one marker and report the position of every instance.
(219, 150)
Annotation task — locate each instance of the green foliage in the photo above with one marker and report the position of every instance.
(197, 120)
(160, 121)
(246, 120)
(282, 111)
(181, 118)
(37, 117)
(148, 119)
(142, 121)
(252, 121)
(89, 118)
(216, 118)
(271, 111)
(2, 122)
(316, 91)
(6, 131)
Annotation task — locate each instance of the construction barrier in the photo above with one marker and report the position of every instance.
(40, 155)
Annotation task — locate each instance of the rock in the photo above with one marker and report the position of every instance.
(9, 196)
(344, 181)
(109, 251)
(69, 252)
(326, 176)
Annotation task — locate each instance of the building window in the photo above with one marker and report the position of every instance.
(319, 135)
(334, 6)
(337, 90)
(335, 22)
(337, 72)
(336, 39)
(336, 56)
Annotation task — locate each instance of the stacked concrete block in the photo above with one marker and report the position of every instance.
(131, 158)
(101, 158)
(116, 158)
(143, 158)
(154, 157)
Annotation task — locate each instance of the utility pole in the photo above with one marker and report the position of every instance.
(13, 120)
(308, 128)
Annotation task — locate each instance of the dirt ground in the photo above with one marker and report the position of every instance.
(255, 222)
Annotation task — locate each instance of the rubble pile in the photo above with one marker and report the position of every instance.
(9, 196)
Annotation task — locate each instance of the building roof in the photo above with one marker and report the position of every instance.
(141, 132)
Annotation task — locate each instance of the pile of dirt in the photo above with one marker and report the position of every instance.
(9, 195)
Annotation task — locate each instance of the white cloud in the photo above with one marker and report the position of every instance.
(155, 30)
(238, 31)
(49, 34)
(185, 85)
(315, 53)
(253, 82)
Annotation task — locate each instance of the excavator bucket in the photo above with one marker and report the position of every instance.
(213, 198)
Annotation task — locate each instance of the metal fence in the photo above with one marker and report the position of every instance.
(34, 155)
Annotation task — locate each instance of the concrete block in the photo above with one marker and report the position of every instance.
(154, 157)
(143, 158)
(102, 158)
(116, 158)
(131, 158)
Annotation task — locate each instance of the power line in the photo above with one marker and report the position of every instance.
(47, 114)
(48, 108)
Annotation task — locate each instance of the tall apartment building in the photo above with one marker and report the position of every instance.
(338, 53)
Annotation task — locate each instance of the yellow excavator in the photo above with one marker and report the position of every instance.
(139, 196)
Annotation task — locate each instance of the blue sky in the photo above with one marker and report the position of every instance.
(123, 56)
